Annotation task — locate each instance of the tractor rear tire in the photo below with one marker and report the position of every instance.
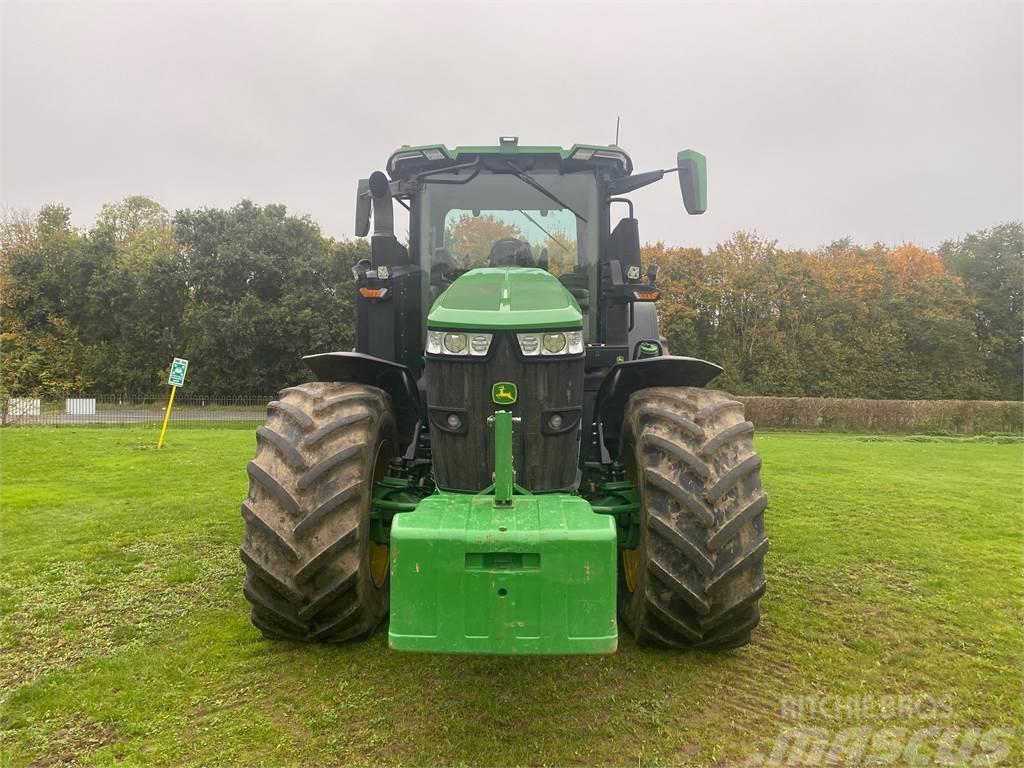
(697, 574)
(313, 573)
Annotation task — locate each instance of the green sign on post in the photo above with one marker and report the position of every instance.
(178, 368)
(176, 379)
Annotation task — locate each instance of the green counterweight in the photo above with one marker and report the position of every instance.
(503, 571)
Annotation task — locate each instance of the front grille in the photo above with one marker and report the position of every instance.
(545, 459)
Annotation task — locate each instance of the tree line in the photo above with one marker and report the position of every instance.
(852, 321)
(244, 292)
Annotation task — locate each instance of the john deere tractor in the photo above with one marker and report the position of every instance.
(511, 458)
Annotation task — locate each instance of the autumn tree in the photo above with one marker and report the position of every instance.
(469, 238)
(843, 321)
(941, 355)
(991, 265)
(683, 311)
(43, 354)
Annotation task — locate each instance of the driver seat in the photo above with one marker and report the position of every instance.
(511, 252)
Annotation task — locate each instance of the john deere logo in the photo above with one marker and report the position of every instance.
(504, 393)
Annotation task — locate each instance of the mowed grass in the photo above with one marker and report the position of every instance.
(895, 570)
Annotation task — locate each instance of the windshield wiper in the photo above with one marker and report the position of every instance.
(526, 178)
(538, 226)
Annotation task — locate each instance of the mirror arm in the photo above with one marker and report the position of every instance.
(636, 181)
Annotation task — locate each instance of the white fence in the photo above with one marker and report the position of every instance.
(137, 410)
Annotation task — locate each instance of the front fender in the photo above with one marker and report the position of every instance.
(371, 371)
(626, 378)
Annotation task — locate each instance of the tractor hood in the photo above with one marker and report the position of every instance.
(506, 298)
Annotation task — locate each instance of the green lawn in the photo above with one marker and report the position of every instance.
(895, 570)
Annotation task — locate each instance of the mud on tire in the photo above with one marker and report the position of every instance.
(312, 571)
(697, 575)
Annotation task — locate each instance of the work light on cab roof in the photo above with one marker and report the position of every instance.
(510, 461)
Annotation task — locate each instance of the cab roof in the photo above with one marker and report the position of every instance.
(407, 160)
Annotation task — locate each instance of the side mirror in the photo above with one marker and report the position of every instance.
(693, 180)
(363, 208)
(652, 274)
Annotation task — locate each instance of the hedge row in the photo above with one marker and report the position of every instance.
(961, 417)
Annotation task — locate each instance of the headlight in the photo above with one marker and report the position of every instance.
(455, 343)
(529, 343)
(479, 343)
(554, 343)
(445, 343)
(551, 344)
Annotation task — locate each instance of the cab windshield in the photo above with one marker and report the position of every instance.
(500, 220)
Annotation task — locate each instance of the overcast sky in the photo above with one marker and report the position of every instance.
(891, 122)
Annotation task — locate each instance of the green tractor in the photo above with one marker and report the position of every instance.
(510, 459)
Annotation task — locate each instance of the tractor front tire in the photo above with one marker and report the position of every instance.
(697, 574)
(313, 573)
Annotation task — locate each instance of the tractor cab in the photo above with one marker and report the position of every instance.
(530, 206)
(498, 218)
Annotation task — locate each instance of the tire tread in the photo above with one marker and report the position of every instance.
(306, 514)
(703, 543)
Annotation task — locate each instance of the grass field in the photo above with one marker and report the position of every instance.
(895, 571)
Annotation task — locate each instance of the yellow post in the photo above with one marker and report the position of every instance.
(167, 417)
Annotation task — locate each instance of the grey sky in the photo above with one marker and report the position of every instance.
(886, 122)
